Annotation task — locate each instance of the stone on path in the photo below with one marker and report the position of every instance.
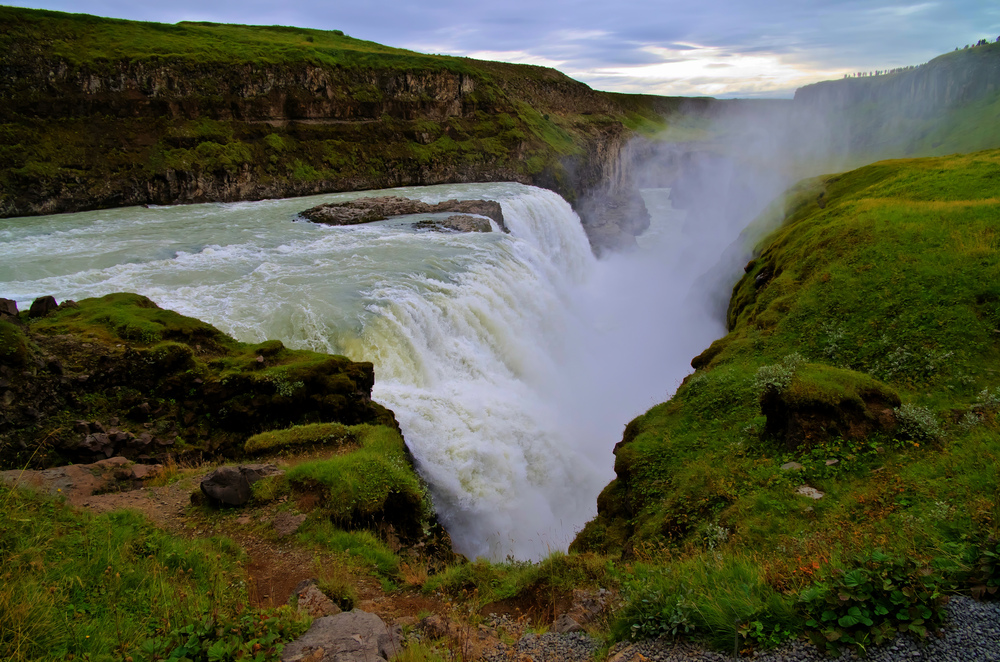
(230, 486)
(565, 624)
(807, 491)
(352, 636)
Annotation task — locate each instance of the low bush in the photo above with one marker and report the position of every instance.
(870, 600)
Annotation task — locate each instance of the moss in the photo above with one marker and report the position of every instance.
(374, 483)
(13, 344)
(316, 434)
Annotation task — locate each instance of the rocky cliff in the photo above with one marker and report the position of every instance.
(99, 113)
(949, 104)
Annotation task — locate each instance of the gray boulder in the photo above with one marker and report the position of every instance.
(351, 636)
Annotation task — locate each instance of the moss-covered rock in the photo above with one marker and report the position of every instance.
(153, 381)
(822, 402)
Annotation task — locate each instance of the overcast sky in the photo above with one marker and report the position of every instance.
(719, 48)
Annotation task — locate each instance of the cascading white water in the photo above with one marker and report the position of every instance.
(476, 337)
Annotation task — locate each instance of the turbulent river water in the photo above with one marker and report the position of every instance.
(512, 362)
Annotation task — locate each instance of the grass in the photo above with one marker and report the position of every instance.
(881, 281)
(376, 482)
(111, 586)
(296, 437)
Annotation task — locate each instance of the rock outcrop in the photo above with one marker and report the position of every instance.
(367, 210)
(209, 125)
(119, 376)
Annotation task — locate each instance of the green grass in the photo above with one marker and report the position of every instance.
(110, 586)
(375, 482)
(316, 434)
(362, 546)
(882, 281)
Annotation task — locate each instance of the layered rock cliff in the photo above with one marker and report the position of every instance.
(100, 113)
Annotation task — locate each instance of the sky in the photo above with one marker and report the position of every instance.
(721, 48)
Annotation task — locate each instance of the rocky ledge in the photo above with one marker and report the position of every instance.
(367, 210)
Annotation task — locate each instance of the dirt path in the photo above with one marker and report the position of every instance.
(276, 562)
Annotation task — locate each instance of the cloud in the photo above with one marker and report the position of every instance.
(730, 46)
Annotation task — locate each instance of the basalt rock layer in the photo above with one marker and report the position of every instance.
(367, 210)
(100, 113)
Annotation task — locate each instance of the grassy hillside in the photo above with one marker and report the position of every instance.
(863, 347)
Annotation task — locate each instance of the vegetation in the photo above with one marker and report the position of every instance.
(192, 387)
(114, 586)
(870, 312)
(374, 482)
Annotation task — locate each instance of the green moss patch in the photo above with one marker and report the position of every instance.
(375, 483)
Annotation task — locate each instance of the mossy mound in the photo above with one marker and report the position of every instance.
(121, 367)
(821, 403)
(865, 328)
(371, 486)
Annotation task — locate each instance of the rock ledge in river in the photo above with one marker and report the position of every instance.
(367, 210)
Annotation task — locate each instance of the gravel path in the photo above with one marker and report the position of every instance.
(972, 635)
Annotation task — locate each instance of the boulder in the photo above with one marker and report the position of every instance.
(8, 307)
(353, 636)
(226, 486)
(42, 306)
(230, 486)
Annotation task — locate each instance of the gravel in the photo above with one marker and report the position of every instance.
(972, 634)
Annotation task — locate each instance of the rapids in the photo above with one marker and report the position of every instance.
(512, 362)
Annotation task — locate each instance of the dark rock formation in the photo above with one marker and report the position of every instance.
(458, 223)
(8, 308)
(367, 210)
(42, 306)
(230, 486)
(76, 386)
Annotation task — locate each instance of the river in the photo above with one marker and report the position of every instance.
(512, 361)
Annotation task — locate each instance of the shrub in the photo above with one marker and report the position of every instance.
(777, 376)
(918, 423)
(872, 601)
